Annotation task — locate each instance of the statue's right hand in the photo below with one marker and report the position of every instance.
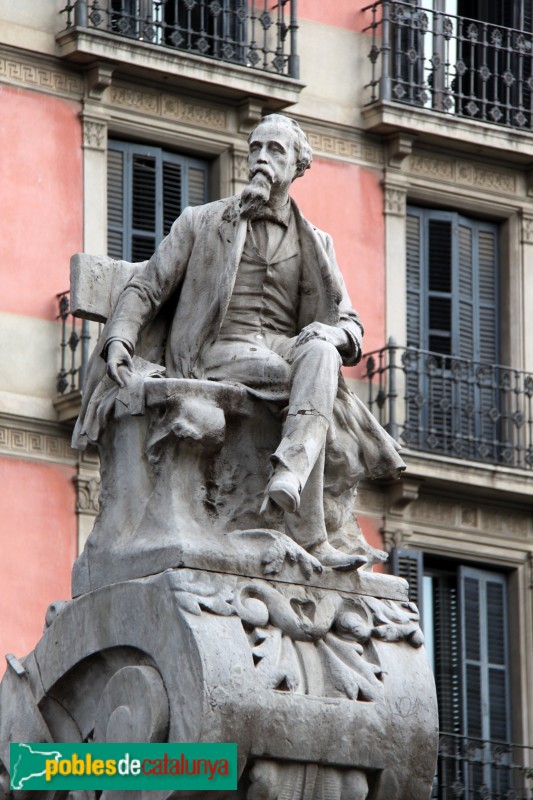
(118, 358)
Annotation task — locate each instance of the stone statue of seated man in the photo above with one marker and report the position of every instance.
(251, 294)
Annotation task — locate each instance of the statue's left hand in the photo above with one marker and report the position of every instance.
(328, 333)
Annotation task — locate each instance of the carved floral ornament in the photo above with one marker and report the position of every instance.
(285, 623)
(94, 134)
(527, 229)
(88, 495)
(395, 200)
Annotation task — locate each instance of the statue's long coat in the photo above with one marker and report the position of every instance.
(200, 258)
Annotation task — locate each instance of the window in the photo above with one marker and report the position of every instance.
(467, 57)
(453, 385)
(147, 189)
(464, 618)
(452, 285)
(202, 27)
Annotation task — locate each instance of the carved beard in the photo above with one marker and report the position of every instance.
(257, 193)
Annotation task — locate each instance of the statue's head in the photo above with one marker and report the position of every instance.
(289, 134)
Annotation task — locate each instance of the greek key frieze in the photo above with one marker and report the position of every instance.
(35, 445)
(21, 73)
(345, 149)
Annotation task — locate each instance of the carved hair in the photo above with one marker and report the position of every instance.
(304, 154)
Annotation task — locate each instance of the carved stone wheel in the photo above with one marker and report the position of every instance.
(133, 707)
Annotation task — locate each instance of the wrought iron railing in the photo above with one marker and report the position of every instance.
(253, 33)
(477, 769)
(74, 348)
(453, 406)
(431, 59)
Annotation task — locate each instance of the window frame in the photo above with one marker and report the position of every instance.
(160, 155)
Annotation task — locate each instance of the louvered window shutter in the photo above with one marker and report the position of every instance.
(483, 600)
(416, 411)
(147, 189)
(447, 655)
(527, 17)
(116, 198)
(408, 564)
(414, 260)
(452, 312)
(485, 663)
(452, 285)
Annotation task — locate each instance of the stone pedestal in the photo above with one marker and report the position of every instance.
(326, 692)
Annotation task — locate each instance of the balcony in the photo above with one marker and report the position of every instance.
(430, 67)
(471, 768)
(188, 42)
(452, 407)
(75, 348)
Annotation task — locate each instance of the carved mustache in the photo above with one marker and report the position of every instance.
(262, 170)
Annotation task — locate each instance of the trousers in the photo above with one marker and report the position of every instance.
(304, 380)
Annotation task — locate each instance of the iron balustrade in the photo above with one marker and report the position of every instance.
(452, 406)
(452, 64)
(254, 33)
(74, 348)
(476, 769)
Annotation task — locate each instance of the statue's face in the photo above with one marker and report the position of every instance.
(272, 151)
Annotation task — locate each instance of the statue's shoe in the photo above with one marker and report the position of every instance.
(331, 557)
(284, 490)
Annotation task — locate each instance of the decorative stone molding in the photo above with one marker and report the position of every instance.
(370, 500)
(469, 517)
(355, 150)
(432, 167)
(402, 494)
(240, 169)
(527, 229)
(35, 444)
(94, 133)
(395, 200)
(455, 516)
(88, 492)
(159, 104)
(18, 72)
(249, 114)
(399, 146)
(438, 511)
(98, 80)
(462, 172)
(395, 538)
(481, 178)
(505, 523)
